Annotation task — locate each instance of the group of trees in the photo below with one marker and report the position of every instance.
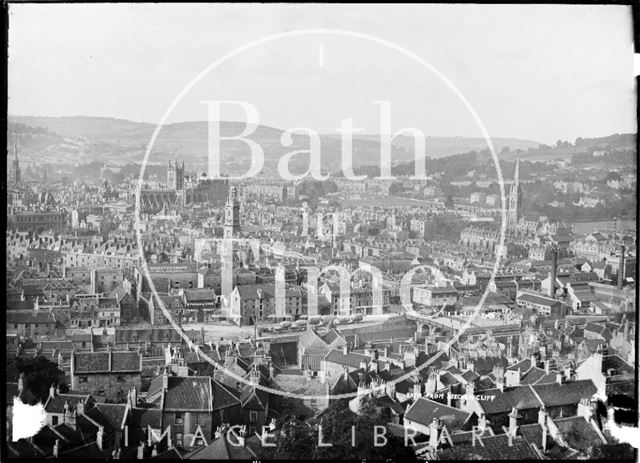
(297, 439)
(38, 375)
(315, 189)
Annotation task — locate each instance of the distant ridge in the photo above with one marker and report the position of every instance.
(86, 139)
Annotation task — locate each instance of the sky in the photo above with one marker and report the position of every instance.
(537, 72)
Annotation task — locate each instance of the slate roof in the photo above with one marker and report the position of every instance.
(564, 394)
(312, 343)
(56, 404)
(578, 433)
(191, 393)
(23, 449)
(447, 379)
(143, 417)
(470, 376)
(199, 295)
(156, 334)
(253, 398)
(494, 448)
(331, 336)
(106, 362)
(108, 415)
(532, 376)
(616, 362)
(520, 397)
(351, 359)
(222, 449)
(223, 397)
(537, 299)
(484, 366)
(86, 452)
(31, 316)
(46, 439)
(532, 433)
(171, 454)
(423, 411)
(524, 365)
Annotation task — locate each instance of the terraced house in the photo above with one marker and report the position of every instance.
(107, 374)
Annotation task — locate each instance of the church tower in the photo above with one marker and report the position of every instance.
(514, 203)
(232, 214)
(175, 176)
(14, 172)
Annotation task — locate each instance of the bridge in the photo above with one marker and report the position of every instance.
(478, 325)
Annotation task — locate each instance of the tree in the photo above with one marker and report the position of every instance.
(299, 439)
(39, 374)
(449, 202)
(294, 440)
(395, 188)
(609, 452)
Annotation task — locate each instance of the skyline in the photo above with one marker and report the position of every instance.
(576, 59)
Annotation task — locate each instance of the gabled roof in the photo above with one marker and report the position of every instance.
(155, 334)
(31, 316)
(524, 366)
(143, 417)
(108, 415)
(351, 359)
(331, 336)
(565, 394)
(312, 342)
(199, 295)
(253, 398)
(223, 397)
(222, 449)
(106, 362)
(617, 363)
(578, 432)
(191, 393)
(56, 404)
(423, 411)
(494, 448)
(520, 397)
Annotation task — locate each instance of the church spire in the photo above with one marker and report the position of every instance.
(15, 164)
(514, 202)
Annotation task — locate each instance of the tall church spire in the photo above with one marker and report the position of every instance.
(15, 164)
(514, 203)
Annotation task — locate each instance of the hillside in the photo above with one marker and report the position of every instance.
(87, 139)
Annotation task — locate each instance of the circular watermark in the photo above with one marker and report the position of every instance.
(306, 32)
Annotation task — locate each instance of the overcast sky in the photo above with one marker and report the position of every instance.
(540, 72)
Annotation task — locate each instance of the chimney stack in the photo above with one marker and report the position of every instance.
(554, 272)
(542, 421)
(621, 269)
(513, 425)
(100, 438)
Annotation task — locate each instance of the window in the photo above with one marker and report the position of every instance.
(179, 439)
(54, 420)
(179, 418)
(314, 403)
(120, 379)
(84, 379)
(239, 386)
(253, 416)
